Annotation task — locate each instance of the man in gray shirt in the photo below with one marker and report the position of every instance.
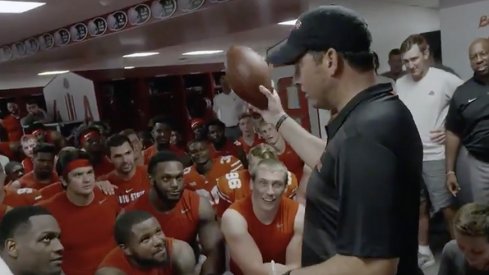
(468, 254)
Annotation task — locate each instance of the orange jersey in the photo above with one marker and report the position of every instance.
(51, 190)
(228, 149)
(103, 167)
(21, 197)
(87, 230)
(236, 185)
(27, 164)
(292, 161)
(13, 128)
(152, 150)
(182, 222)
(29, 181)
(205, 185)
(246, 148)
(117, 259)
(129, 190)
(272, 240)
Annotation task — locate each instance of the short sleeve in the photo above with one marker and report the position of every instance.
(454, 120)
(368, 226)
(452, 82)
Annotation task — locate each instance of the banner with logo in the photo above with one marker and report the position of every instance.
(70, 97)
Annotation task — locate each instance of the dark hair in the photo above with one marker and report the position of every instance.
(162, 120)
(216, 122)
(128, 132)
(44, 148)
(395, 51)
(162, 156)
(86, 129)
(116, 141)
(18, 217)
(31, 101)
(125, 222)
(375, 59)
(11, 165)
(193, 141)
(360, 61)
(415, 39)
(67, 156)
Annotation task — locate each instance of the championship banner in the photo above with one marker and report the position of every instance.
(70, 97)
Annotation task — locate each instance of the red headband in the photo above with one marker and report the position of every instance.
(74, 164)
(89, 135)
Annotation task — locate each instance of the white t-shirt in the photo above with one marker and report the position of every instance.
(428, 100)
(228, 108)
(4, 270)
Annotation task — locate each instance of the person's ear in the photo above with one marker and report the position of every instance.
(12, 248)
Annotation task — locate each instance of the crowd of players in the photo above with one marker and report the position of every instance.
(125, 203)
(111, 204)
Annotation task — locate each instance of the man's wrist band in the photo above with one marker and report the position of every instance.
(280, 121)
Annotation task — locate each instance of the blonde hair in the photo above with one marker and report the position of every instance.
(263, 151)
(472, 220)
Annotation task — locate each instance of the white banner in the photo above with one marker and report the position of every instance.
(70, 97)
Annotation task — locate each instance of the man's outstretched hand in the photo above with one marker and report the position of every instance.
(275, 110)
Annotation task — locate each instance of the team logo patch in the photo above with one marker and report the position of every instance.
(431, 93)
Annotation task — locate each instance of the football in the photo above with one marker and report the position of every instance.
(246, 70)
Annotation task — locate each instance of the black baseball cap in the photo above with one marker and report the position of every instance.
(325, 27)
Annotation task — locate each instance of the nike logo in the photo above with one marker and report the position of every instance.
(185, 210)
(129, 190)
(102, 201)
(279, 225)
(471, 100)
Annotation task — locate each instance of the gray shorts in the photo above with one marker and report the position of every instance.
(473, 178)
(434, 185)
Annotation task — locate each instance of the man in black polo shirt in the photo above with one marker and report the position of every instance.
(363, 195)
(468, 125)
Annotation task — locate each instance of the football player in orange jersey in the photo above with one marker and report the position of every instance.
(288, 156)
(143, 249)
(137, 145)
(181, 213)
(201, 177)
(132, 181)
(220, 144)
(161, 132)
(248, 138)
(30, 238)
(28, 142)
(237, 185)
(43, 174)
(264, 230)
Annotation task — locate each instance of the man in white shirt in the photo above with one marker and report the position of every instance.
(228, 107)
(427, 91)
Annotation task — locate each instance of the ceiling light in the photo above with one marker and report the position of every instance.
(18, 6)
(203, 52)
(129, 67)
(288, 23)
(143, 54)
(53, 72)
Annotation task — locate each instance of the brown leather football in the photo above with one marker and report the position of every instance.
(246, 71)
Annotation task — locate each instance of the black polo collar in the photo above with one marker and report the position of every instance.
(366, 94)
